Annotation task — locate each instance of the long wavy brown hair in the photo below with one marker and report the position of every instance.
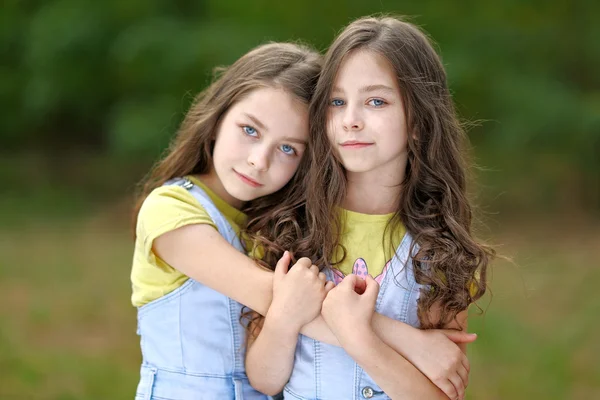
(433, 204)
(289, 66)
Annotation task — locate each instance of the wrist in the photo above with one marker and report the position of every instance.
(360, 343)
(356, 338)
(399, 336)
(279, 325)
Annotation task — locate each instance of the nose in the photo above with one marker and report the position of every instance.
(352, 120)
(259, 158)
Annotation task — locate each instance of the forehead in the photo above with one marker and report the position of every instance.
(362, 68)
(275, 108)
(269, 102)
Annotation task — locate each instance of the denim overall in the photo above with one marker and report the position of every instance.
(192, 341)
(326, 372)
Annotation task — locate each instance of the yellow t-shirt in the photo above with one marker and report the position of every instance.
(165, 209)
(368, 247)
(367, 244)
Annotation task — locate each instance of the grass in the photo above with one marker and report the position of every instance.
(67, 330)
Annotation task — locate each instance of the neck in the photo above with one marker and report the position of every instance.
(373, 193)
(212, 181)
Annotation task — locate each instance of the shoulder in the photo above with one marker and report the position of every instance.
(170, 196)
(167, 208)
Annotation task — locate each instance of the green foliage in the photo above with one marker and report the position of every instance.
(117, 77)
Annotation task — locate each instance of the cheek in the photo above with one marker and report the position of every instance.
(221, 141)
(285, 170)
(229, 146)
(393, 129)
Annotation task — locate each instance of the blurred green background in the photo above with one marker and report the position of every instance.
(92, 91)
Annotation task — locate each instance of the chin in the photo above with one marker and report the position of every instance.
(243, 195)
(356, 168)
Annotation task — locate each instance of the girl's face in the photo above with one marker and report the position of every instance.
(366, 120)
(259, 145)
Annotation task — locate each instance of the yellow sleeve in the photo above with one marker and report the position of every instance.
(165, 209)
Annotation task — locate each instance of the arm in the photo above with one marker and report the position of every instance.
(458, 324)
(379, 360)
(201, 253)
(440, 354)
(349, 315)
(270, 356)
(297, 299)
(454, 364)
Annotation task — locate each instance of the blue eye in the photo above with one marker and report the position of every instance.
(250, 131)
(337, 102)
(376, 102)
(287, 149)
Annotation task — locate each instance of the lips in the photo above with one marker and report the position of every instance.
(355, 144)
(246, 179)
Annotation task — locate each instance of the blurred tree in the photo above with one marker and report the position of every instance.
(115, 78)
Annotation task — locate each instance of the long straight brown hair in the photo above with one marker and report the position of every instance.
(289, 66)
(433, 203)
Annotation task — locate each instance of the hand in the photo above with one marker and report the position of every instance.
(349, 308)
(298, 294)
(436, 355)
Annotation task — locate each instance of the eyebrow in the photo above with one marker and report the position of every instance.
(367, 89)
(294, 140)
(257, 122)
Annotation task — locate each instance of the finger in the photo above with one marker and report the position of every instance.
(458, 385)
(322, 277)
(304, 262)
(360, 285)
(464, 375)
(448, 388)
(372, 289)
(348, 283)
(466, 363)
(329, 285)
(282, 266)
(459, 336)
(314, 269)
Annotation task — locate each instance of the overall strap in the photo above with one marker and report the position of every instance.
(224, 227)
(227, 231)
